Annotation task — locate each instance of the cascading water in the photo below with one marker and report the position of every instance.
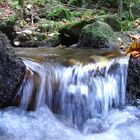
(78, 92)
(82, 101)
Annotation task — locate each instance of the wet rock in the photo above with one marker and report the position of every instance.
(98, 35)
(11, 72)
(133, 81)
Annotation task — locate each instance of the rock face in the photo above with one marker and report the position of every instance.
(133, 81)
(11, 72)
(98, 35)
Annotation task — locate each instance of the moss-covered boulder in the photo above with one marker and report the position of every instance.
(11, 72)
(98, 35)
(70, 33)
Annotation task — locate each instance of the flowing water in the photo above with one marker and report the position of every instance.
(71, 94)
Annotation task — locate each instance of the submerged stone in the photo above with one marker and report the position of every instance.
(11, 72)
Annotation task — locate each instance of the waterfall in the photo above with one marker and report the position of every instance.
(78, 92)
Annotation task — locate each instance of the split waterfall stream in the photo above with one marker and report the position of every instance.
(70, 94)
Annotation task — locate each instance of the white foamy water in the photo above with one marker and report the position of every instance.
(43, 125)
(78, 92)
(85, 102)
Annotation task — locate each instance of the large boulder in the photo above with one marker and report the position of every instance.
(98, 35)
(133, 81)
(11, 72)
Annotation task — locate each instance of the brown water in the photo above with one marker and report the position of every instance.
(67, 56)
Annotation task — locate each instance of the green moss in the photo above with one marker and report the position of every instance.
(98, 29)
(8, 22)
(80, 24)
(127, 25)
(76, 13)
(49, 26)
(97, 35)
(60, 13)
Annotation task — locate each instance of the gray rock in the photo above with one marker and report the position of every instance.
(133, 81)
(11, 72)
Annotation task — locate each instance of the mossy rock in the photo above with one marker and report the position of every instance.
(60, 13)
(70, 34)
(114, 23)
(98, 35)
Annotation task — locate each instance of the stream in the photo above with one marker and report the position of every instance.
(70, 94)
